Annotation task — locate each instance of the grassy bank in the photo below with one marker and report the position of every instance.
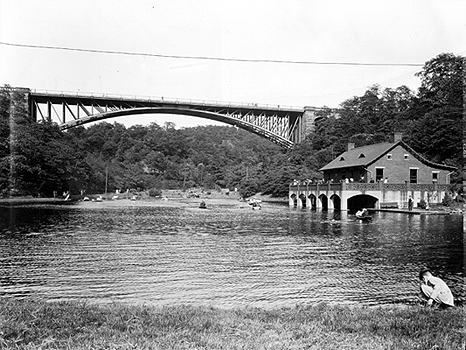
(37, 325)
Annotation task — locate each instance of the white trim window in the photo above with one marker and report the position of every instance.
(413, 175)
(379, 173)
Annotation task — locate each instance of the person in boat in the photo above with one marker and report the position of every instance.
(435, 290)
(363, 213)
(202, 205)
(256, 205)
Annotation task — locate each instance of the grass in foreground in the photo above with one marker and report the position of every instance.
(38, 325)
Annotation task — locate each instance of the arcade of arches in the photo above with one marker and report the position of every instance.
(355, 196)
(333, 202)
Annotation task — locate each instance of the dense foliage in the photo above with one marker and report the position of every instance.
(431, 120)
(38, 159)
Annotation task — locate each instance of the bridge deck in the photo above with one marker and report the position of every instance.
(44, 97)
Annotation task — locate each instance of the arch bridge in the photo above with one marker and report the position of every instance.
(282, 125)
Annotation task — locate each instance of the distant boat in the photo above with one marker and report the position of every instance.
(256, 203)
(254, 200)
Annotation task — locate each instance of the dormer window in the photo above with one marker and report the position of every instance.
(389, 156)
(342, 158)
(362, 155)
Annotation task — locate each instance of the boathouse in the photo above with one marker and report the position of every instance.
(379, 176)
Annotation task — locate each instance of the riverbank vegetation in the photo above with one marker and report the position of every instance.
(38, 159)
(71, 325)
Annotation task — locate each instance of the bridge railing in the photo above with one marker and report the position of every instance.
(143, 98)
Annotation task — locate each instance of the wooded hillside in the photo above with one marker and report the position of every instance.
(38, 159)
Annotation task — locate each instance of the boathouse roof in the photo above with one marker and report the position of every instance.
(366, 155)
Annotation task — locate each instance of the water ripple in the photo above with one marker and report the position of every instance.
(229, 256)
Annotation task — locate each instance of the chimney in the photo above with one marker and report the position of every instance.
(397, 136)
(350, 146)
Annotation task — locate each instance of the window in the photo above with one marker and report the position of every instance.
(406, 156)
(435, 176)
(362, 155)
(389, 156)
(413, 175)
(379, 174)
(342, 158)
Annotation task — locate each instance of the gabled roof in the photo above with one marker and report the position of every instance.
(359, 156)
(366, 155)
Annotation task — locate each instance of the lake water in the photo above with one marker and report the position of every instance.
(225, 256)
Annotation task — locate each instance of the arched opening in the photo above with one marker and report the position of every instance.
(324, 201)
(294, 200)
(336, 202)
(185, 111)
(360, 201)
(303, 200)
(313, 200)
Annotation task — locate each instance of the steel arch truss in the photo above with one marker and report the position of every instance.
(274, 123)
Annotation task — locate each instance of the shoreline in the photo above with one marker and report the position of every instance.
(168, 198)
(31, 324)
(171, 198)
(447, 211)
(31, 200)
(216, 199)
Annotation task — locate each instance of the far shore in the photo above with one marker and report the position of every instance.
(169, 197)
(212, 199)
(26, 200)
(172, 199)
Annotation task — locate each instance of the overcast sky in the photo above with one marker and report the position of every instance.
(325, 32)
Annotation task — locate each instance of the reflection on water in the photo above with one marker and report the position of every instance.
(225, 256)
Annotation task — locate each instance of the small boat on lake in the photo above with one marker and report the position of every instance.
(363, 215)
(256, 206)
(255, 203)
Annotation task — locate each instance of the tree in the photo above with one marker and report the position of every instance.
(438, 135)
(43, 162)
(35, 158)
(438, 132)
(442, 81)
(249, 187)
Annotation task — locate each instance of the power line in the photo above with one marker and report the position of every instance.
(211, 58)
